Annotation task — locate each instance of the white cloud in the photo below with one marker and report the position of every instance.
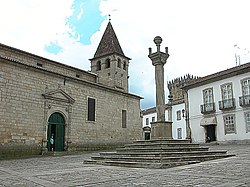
(30, 25)
(200, 34)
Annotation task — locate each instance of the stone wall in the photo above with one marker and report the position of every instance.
(43, 63)
(175, 87)
(25, 109)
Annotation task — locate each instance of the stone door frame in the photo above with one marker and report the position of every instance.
(57, 100)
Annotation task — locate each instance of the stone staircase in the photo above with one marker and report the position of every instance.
(162, 153)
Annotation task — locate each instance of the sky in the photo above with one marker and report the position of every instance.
(202, 36)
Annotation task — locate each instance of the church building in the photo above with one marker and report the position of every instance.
(80, 110)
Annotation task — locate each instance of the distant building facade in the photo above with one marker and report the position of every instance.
(214, 108)
(41, 98)
(174, 112)
(218, 106)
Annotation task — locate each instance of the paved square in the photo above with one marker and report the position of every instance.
(70, 171)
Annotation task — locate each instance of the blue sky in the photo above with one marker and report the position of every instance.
(84, 22)
(200, 35)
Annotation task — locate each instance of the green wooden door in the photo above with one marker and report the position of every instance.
(59, 138)
(56, 127)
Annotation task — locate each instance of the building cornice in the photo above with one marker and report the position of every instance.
(238, 70)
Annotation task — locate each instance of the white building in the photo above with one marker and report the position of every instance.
(179, 125)
(218, 106)
(178, 116)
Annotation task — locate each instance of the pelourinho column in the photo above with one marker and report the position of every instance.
(160, 129)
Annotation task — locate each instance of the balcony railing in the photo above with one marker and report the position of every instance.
(207, 108)
(227, 104)
(244, 100)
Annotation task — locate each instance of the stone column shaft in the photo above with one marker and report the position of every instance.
(160, 96)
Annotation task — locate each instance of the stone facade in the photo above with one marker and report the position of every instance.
(175, 87)
(110, 63)
(33, 88)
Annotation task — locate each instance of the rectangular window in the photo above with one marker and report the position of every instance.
(178, 114)
(247, 118)
(91, 109)
(226, 91)
(229, 123)
(153, 119)
(147, 121)
(245, 98)
(124, 118)
(246, 87)
(179, 133)
(39, 64)
(227, 96)
(208, 101)
(208, 96)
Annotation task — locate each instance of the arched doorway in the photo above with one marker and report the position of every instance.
(56, 127)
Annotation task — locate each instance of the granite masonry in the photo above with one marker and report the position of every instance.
(84, 110)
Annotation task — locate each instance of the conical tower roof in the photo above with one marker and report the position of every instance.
(109, 43)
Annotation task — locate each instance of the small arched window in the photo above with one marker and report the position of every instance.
(98, 66)
(107, 63)
(119, 63)
(124, 65)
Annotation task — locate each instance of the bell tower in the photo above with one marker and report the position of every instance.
(109, 62)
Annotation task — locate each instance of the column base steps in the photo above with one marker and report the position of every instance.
(151, 165)
(158, 154)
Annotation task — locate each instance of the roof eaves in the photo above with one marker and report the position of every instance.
(238, 70)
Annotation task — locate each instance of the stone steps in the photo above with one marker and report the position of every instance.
(199, 158)
(161, 141)
(158, 154)
(161, 144)
(152, 165)
(161, 154)
(161, 149)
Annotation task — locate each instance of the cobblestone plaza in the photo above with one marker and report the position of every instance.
(70, 171)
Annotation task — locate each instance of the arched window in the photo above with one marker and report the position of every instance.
(119, 63)
(107, 63)
(98, 66)
(124, 65)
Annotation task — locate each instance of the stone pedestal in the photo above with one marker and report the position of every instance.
(161, 130)
(44, 147)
